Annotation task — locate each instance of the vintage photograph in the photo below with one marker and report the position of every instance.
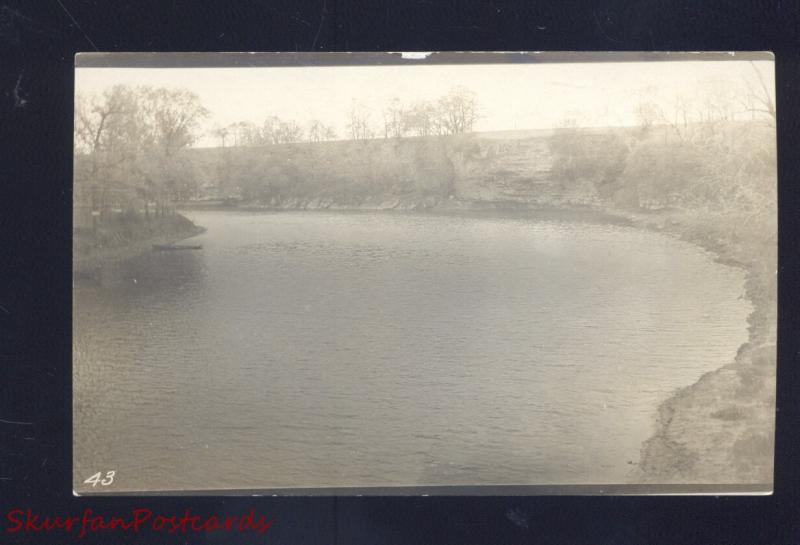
(370, 271)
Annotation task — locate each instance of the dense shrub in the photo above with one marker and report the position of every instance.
(664, 172)
(716, 166)
(580, 155)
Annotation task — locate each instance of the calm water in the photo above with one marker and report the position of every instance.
(335, 349)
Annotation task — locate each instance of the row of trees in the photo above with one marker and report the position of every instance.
(130, 141)
(454, 113)
(716, 102)
(123, 120)
(273, 130)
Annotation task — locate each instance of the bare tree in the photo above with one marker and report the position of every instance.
(318, 131)
(289, 131)
(104, 140)
(102, 122)
(275, 130)
(758, 96)
(419, 119)
(172, 117)
(359, 119)
(235, 129)
(681, 110)
(716, 103)
(678, 118)
(270, 130)
(458, 111)
(221, 133)
(393, 116)
(250, 134)
(245, 133)
(648, 113)
(315, 131)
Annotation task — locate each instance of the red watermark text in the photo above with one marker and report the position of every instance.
(139, 520)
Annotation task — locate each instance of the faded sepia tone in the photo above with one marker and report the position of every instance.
(425, 275)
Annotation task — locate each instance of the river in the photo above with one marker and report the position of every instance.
(308, 349)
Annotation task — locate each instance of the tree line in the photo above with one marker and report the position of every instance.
(456, 112)
(716, 102)
(129, 140)
(273, 130)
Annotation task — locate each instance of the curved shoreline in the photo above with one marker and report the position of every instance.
(720, 430)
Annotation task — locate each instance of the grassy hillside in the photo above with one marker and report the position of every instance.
(720, 166)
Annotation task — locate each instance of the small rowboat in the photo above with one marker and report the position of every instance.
(173, 247)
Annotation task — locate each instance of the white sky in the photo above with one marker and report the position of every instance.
(511, 96)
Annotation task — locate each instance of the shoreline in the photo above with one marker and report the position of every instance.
(719, 430)
(89, 262)
(448, 207)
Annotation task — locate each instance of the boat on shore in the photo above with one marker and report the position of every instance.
(174, 247)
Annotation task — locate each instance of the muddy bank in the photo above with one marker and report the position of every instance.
(432, 205)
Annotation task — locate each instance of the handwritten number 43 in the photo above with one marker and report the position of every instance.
(97, 478)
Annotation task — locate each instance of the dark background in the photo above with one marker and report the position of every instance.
(38, 40)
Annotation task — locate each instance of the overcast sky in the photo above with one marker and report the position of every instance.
(511, 96)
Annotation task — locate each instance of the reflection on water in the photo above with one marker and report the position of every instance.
(332, 349)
